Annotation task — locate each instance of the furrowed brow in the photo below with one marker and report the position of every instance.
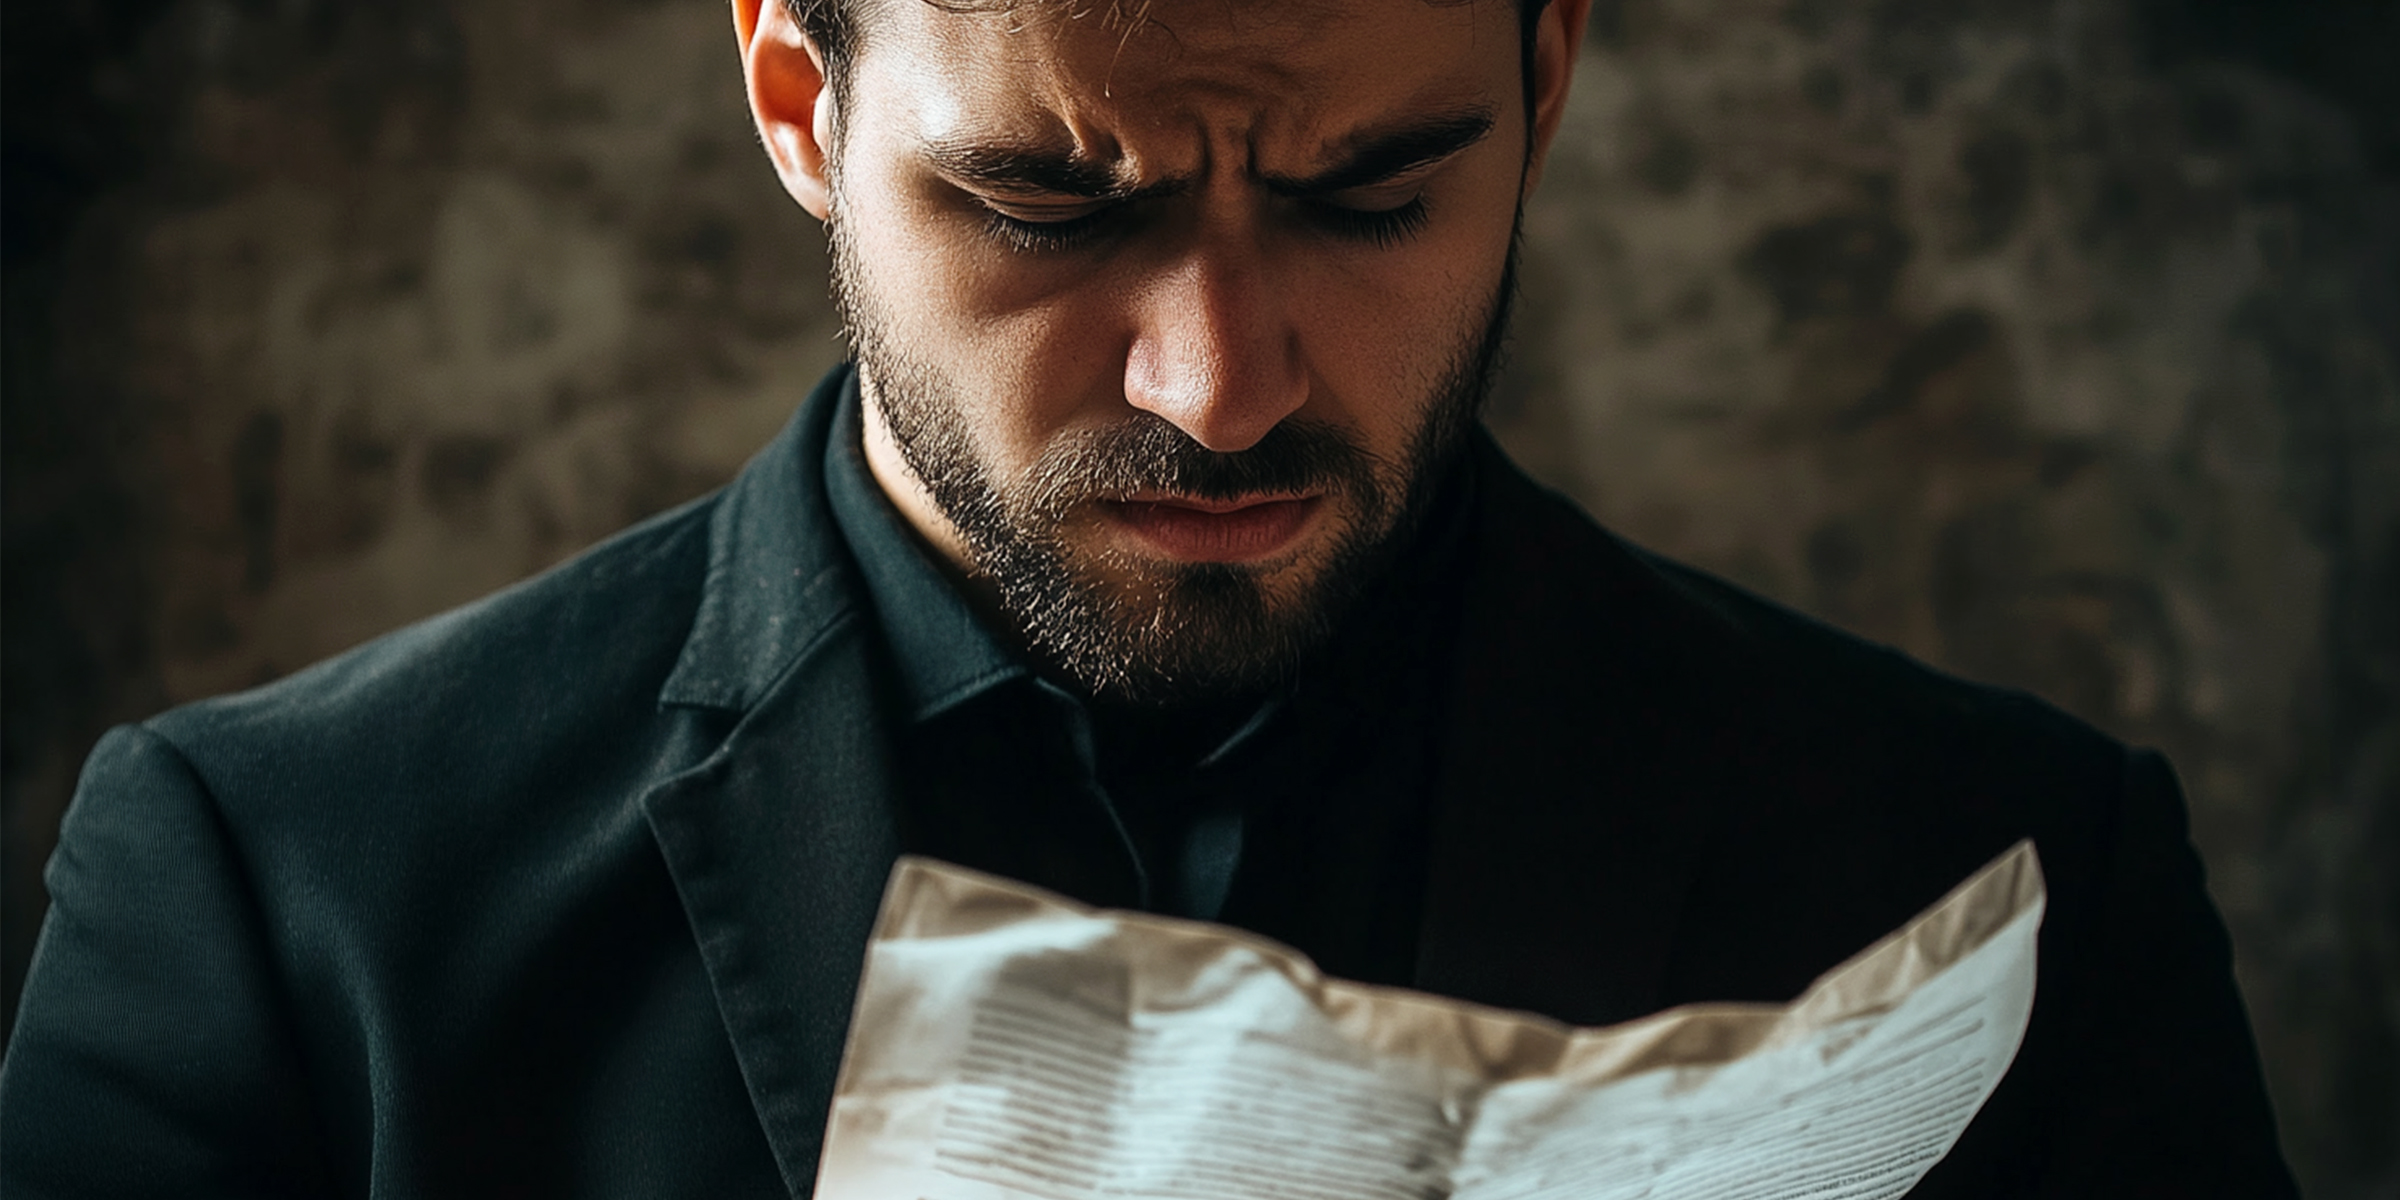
(1375, 157)
(1032, 169)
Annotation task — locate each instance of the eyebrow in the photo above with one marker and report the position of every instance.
(1368, 159)
(1373, 157)
(1021, 168)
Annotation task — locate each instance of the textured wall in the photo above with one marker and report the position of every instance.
(1978, 326)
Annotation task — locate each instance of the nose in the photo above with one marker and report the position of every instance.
(1214, 350)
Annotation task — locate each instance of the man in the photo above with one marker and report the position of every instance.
(1150, 554)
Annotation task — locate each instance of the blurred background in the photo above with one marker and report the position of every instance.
(2053, 341)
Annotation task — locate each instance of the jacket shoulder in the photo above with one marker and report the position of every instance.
(625, 600)
(1722, 640)
(1847, 780)
(523, 697)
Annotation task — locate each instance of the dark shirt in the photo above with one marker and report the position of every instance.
(1299, 813)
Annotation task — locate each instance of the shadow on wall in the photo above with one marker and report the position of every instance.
(2052, 342)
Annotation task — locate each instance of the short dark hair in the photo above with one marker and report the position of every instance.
(833, 25)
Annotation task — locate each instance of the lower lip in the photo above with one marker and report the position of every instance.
(1188, 534)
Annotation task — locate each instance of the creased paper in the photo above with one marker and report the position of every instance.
(1009, 1044)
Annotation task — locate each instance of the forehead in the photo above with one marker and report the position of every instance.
(1289, 77)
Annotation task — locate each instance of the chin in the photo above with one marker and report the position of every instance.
(1171, 633)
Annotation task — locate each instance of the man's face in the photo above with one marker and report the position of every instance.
(1166, 330)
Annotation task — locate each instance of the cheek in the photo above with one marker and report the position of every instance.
(1019, 370)
(1030, 375)
(1384, 333)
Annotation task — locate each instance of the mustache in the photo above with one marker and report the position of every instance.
(1146, 453)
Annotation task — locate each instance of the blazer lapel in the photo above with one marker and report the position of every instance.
(1572, 803)
(780, 839)
(780, 844)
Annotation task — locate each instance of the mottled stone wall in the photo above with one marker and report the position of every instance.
(1976, 326)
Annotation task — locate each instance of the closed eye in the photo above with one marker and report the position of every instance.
(1033, 231)
(1383, 228)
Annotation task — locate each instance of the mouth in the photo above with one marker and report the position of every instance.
(1196, 530)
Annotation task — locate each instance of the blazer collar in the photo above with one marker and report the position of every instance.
(780, 839)
(779, 576)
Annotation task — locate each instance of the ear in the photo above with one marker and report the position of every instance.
(1558, 38)
(785, 77)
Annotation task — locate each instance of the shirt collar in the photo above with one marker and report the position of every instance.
(944, 652)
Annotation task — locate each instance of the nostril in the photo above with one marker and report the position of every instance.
(1214, 353)
(1210, 397)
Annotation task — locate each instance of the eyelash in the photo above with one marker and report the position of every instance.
(1384, 230)
(1041, 237)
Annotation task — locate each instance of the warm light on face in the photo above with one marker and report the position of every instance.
(1172, 326)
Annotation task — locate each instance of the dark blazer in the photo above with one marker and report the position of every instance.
(566, 892)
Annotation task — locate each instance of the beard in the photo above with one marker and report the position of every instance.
(1134, 629)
